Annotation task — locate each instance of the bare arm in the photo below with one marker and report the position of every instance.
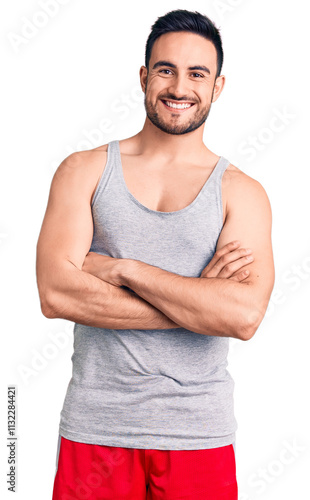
(65, 290)
(214, 306)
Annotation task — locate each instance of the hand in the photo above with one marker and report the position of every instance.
(104, 267)
(226, 261)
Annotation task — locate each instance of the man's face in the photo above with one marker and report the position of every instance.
(170, 80)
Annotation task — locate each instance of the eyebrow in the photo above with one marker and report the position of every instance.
(171, 65)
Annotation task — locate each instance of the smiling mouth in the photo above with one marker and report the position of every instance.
(180, 106)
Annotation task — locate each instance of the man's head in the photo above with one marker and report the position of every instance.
(183, 61)
(191, 22)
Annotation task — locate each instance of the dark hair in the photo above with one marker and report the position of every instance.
(184, 20)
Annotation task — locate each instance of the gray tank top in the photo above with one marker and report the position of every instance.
(151, 389)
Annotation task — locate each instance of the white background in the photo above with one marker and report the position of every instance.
(79, 72)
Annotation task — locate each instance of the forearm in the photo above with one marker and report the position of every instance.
(77, 296)
(210, 306)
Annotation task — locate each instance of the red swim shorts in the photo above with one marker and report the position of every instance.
(96, 472)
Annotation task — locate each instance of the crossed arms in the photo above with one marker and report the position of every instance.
(86, 288)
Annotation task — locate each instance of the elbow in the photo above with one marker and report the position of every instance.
(247, 333)
(49, 312)
(252, 320)
(48, 306)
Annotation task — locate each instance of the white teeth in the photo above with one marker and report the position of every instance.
(177, 106)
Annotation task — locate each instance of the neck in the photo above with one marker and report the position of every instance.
(152, 140)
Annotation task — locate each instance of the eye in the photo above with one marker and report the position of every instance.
(160, 71)
(198, 74)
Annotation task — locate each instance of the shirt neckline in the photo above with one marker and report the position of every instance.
(158, 212)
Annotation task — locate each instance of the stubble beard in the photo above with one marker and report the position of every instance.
(175, 128)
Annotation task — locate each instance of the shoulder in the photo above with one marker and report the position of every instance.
(242, 193)
(82, 169)
(242, 189)
(247, 202)
(84, 159)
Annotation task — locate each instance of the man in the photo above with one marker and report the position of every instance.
(138, 247)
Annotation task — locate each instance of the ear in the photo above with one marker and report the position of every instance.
(218, 87)
(143, 77)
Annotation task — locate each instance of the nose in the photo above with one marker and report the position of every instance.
(178, 86)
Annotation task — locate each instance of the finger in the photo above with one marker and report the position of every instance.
(232, 245)
(232, 267)
(240, 276)
(229, 264)
(226, 249)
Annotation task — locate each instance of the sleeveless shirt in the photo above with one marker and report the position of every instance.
(151, 389)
